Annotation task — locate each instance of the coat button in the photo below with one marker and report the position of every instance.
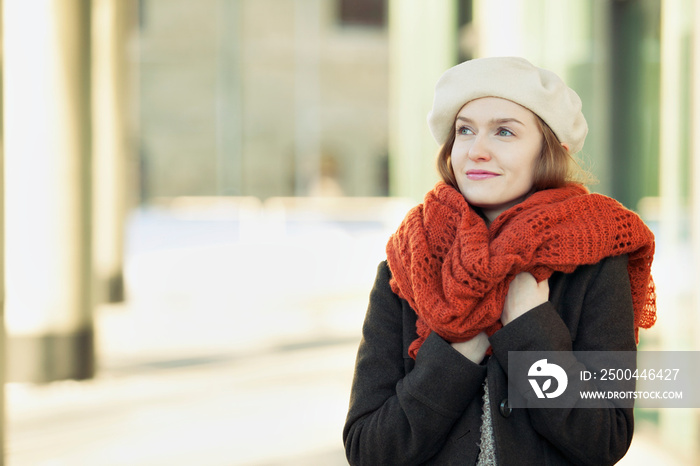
(505, 408)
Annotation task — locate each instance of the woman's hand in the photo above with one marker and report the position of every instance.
(524, 294)
(474, 349)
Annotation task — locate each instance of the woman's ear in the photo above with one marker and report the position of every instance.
(565, 146)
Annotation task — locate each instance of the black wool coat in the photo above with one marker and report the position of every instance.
(428, 411)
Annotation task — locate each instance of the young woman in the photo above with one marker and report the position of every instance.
(507, 253)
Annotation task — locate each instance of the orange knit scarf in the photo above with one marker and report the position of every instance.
(454, 271)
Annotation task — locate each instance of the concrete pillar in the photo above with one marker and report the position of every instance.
(501, 28)
(422, 45)
(596, 154)
(695, 164)
(3, 364)
(112, 146)
(307, 94)
(673, 34)
(48, 195)
(695, 186)
(679, 428)
(229, 107)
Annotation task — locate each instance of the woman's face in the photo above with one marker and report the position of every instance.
(497, 143)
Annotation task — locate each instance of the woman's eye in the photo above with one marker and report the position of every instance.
(464, 130)
(504, 132)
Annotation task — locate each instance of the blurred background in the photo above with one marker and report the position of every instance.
(196, 194)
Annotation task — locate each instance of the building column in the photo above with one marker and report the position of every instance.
(3, 363)
(695, 163)
(112, 20)
(229, 108)
(422, 45)
(307, 94)
(671, 138)
(679, 428)
(48, 195)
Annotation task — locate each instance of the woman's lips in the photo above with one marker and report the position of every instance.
(477, 175)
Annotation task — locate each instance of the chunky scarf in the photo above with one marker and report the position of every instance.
(454, 271)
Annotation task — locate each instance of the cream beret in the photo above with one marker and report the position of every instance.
(514, 79)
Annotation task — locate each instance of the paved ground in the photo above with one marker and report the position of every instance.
(285, 406)
(236, 347)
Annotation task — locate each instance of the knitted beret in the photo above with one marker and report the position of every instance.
(515, 79)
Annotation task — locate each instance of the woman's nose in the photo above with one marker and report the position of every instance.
(479, 150)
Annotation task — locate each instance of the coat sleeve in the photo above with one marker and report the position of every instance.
(397, 417)
(605, 323)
